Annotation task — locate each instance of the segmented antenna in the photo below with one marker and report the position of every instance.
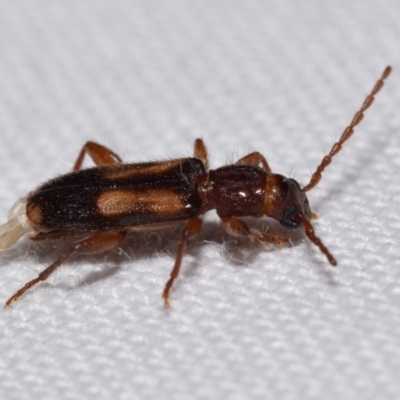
(309, 230)
(359, 115)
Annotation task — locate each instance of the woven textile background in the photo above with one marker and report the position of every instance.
(146, 78)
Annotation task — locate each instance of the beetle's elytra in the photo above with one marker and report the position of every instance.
(104, 203)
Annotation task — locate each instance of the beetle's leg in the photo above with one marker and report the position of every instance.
(255, 159)
(93, 245)
(237, 227)
(98, 153)
(192, 228)
(200, 152)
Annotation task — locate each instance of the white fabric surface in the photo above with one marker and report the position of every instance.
(147, 78)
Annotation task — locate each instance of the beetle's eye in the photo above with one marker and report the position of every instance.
(291, 217)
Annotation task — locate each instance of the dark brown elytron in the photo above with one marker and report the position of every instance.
(101, 205)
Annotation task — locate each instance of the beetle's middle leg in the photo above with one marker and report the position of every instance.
(200, 152)
(94, 245)
(192, 228)
(238, 228)
(100, 155)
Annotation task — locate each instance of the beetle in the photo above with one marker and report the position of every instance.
(105, 202)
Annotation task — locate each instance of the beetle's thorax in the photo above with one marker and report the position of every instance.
(234, 190)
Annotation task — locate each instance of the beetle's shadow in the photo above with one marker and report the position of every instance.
(139, 246)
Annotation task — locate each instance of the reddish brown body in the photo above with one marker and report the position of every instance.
(106, 202)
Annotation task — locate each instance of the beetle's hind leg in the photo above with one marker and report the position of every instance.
(93, 245)
(192, 228)
(100, 155)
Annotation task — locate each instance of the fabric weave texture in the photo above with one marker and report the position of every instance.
(246, 322)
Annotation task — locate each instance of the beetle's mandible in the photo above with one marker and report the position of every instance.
(102, 204)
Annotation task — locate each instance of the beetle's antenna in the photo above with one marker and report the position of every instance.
(308, 228)
(359, 115)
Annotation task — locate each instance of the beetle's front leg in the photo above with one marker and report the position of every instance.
(99, 154)
(255, 159)
(93, 245)
(192, 228)
(238, 228)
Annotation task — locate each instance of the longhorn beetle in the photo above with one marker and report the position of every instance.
(102, 204)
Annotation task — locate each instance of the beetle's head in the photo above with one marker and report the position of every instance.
(286, 201)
